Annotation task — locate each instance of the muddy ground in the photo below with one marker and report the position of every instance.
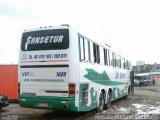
(145, 102)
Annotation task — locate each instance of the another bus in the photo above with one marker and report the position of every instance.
(142, 79)
(60, 69)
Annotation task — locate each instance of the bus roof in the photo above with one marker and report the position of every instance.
(149, 73)
(142, 74)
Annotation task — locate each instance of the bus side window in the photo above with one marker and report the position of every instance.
(124, 64)
(119, 61)
(110, 55)
(86, 50)
(109, 61)
(127, 65)
(113, 59)
(98, 54)
(82, 55)
(105, 56)
(101, 55)
(95, 52)
(91, 52)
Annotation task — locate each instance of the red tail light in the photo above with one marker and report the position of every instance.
(72, 90)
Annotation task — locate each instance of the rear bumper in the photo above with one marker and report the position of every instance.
(53, 103)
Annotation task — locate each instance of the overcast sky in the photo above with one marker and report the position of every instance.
(130, 26)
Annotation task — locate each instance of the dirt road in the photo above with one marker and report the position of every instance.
(145, 101)
(149, 91)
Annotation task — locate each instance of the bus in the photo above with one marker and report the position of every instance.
(61, 69)
(142, 79)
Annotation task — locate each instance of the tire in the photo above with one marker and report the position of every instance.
(109, 100)
(101, 104)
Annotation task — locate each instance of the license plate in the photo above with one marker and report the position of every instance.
(43, 104)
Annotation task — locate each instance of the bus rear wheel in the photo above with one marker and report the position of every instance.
(109, 100)
(101, 105)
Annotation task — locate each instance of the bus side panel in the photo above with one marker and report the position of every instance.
(94, 77)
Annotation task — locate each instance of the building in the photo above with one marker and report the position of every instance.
(146, 68)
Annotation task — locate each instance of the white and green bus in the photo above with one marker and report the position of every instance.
(60, 69)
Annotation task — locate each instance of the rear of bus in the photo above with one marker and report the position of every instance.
(44, 69)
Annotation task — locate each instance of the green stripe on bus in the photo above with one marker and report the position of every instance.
(102, 78)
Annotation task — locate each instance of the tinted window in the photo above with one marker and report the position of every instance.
(98, 54)
(95, 52)
(45, 40)
(123, 63)
(119, 61)
(105, 56)
(109, 61)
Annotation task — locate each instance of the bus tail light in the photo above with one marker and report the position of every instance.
(72, 90)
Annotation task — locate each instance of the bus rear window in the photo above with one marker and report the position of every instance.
(53, 39)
